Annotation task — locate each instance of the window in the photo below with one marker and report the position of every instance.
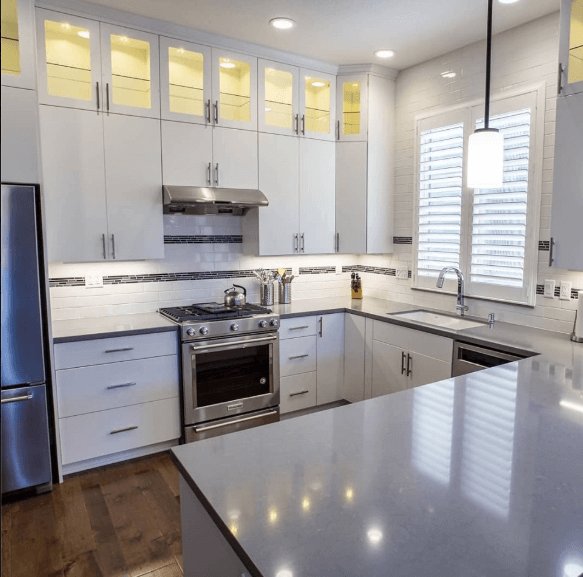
(489, 234)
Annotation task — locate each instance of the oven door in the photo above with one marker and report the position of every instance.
(226, 377)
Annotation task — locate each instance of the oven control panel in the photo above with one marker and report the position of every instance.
(268, 323)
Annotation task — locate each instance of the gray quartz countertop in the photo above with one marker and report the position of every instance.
(115, 326)
(480, 475)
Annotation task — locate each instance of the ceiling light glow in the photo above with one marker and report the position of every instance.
(282, 23)
(508, 1)
(384, 53)
(318, 84)
(227, 64)
(448, 74)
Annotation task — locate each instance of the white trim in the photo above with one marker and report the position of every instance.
(375, 69)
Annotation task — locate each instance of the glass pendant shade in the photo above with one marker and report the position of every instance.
(485, 159)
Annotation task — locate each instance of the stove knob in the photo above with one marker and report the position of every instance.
(190, 332)
(274, 322)
(204, 331)
(234, 327)
(263, 324)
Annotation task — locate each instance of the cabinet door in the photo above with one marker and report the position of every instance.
(187, 153)
(351, 107)
(424, 370)
(234, 90)
(354, 353)
(69, 64)
(317, 196)
(185, 81)
(351, 174)
(571, 47)
(330, 346)
(278, 98)
(279, 175)
(19, 128)
(317, 105)
(134, 187)
(73, 184)
(388, 369)
(130, 70)
(235, 158)
(568, 184)
(17, 52)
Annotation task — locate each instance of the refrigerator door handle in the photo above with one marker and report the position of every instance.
(17, 399)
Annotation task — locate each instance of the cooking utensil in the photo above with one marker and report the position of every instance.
(235, 298)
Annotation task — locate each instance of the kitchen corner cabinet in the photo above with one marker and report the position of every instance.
(364, 167)
(330, 358)
(571, 48)
(98, 206)
(96, 66)
(354, 358)
(17, 54)
(297, 176)
(352, 108)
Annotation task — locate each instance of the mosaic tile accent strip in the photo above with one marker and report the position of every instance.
(204, 239)
(544, 245)
(370, 269)
(402, 240)
(317, 269)
(67, 281)
(540, 290)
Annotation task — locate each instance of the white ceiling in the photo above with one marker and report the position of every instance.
(346, 31)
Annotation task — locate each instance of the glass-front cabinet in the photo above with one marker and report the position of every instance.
(318, 105)
(234, 90)
(185, 81)
(278, 98)
(571, 47)
(17, 44)
(351, 100)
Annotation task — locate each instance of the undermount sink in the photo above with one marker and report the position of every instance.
(439, 320)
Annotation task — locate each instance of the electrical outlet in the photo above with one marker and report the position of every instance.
(402, 273)
(549, 289)
(565, 290)
(93, 281)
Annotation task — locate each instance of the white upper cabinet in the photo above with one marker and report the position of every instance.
(69, 61)
(185, 81)
(351, 107)
(278, 98)
(317, 105)
(571, 47)
(234, 158)
(130, 71)
(234, 90)
(18, 44)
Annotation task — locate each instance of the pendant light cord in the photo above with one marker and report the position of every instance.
(488, 65)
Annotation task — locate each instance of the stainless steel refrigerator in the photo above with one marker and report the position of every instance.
(26, 456)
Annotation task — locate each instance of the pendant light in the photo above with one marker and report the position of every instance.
(486, 145)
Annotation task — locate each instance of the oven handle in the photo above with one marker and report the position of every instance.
(232, 344)
(234, 422)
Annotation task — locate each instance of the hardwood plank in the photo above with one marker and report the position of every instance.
(169, 471)
(172, 570)
(6, 542)
(84, 565)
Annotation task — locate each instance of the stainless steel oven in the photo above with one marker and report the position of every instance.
(230, 383)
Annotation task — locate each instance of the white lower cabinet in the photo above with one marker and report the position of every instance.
(388, 373)
(330, 361)
(354, 358)
(117, 398)
(297, 355)
(298, 392)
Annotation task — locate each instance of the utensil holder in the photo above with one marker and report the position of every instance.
(284, 293)
(266, 293)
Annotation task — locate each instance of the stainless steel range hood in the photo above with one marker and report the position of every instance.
(207, 200)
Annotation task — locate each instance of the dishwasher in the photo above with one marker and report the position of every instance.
(470, 358)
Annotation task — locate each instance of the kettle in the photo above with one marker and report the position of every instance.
(235, 298)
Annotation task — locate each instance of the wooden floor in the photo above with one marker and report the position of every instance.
(119, 521)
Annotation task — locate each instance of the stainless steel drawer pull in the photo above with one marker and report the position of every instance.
(299, 328)
(234, 406)
(298, 357)
(227, 344)
(124, 430)
(121, 386)
(18, 399)
(122, 350)
(299, 393)
(202, 428)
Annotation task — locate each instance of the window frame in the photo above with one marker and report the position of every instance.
(468, 112)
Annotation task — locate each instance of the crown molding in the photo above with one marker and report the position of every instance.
(375, 69)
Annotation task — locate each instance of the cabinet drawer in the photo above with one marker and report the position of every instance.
(100, 387)
(297, 356)
(297, 392)
(100, 351)
(106, 432)
(298, 327)
(413, 340)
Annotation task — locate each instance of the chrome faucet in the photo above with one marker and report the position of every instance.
(460, 307)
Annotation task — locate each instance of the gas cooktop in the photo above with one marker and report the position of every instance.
(212, 312)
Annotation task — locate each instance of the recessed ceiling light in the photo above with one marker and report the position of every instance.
(448, 74)
(282, 23)
(318, 84)
(507, 1)
(227, 64)
(384, 53)
(83, 33)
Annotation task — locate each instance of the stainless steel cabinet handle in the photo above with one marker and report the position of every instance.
(217, 174)
(124, 430)
(104, 249)
(97, 95)
(337, 242)
(303, 124)
(231, 422)
(120, 386)
(297, 123)
(560, 78)
(299, 393)
(208, 173)
(321, 330)
(409, 365)
(302, 242)
(207, 111)
(226, 344)
(298, 357)
(113, 246)
(234, 406)
(402, 362)
(298, 328)
(296, 243)
(338, 130)
(551, 251)
(107, 96)
(19, 399)
(216, 107)
(122, 350)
